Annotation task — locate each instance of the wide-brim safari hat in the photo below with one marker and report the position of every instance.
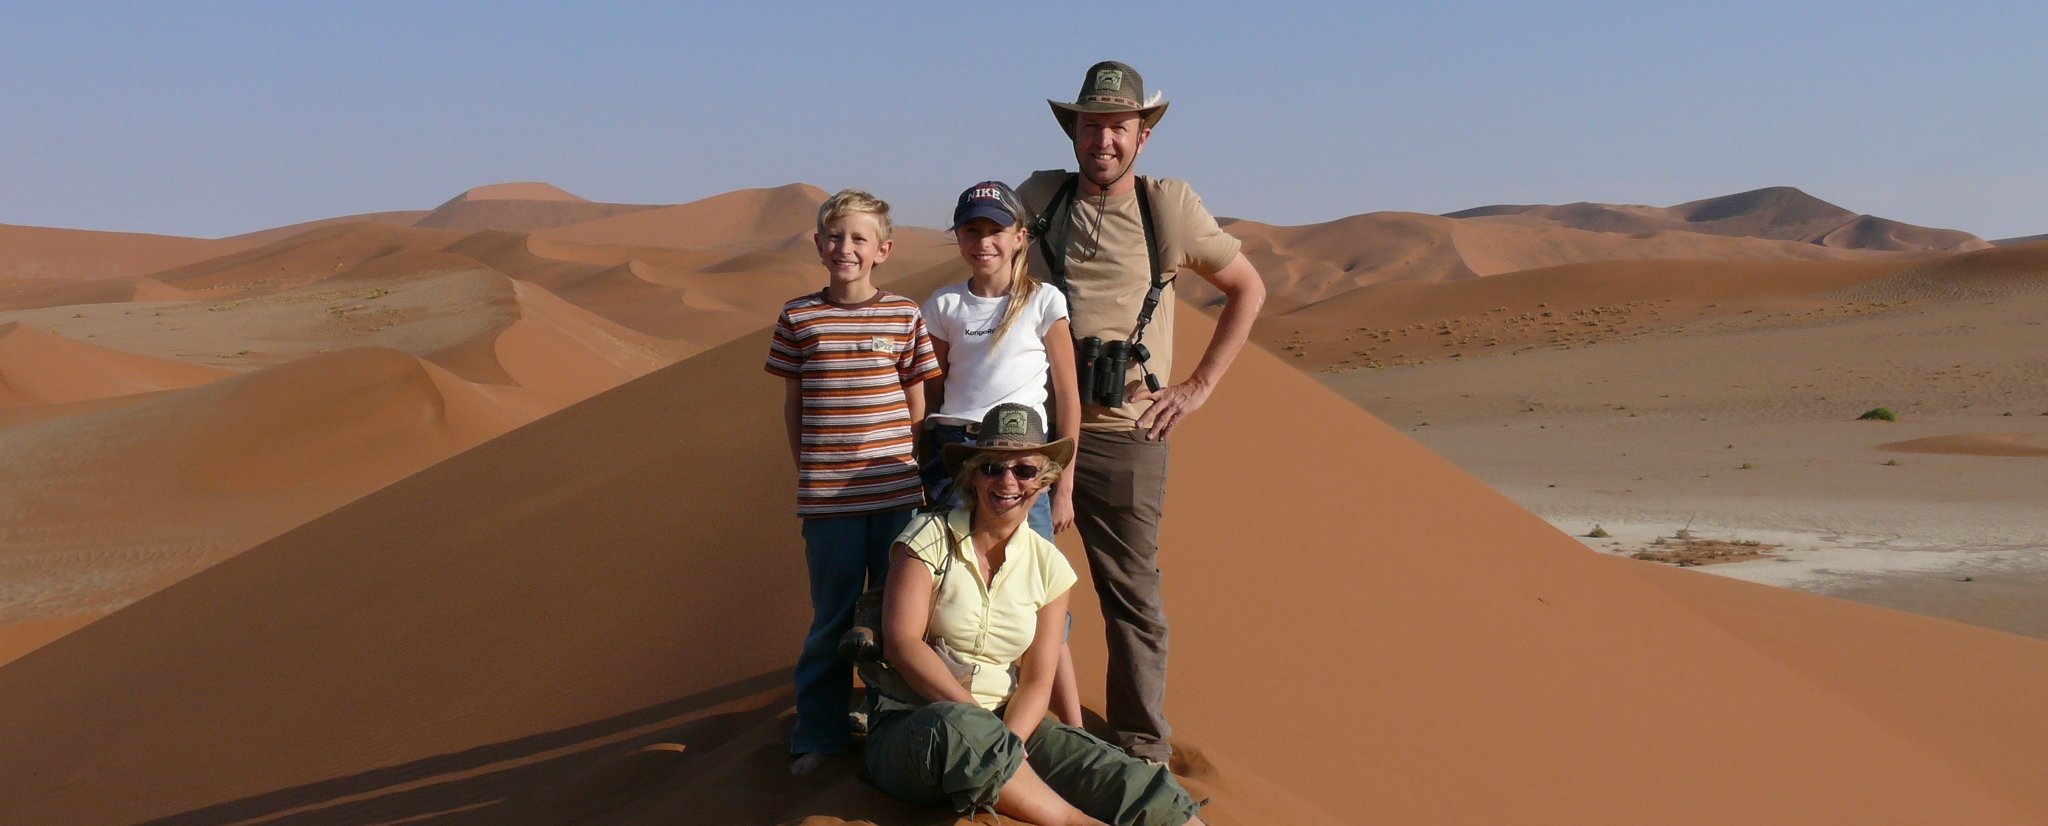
(1010, 429)
(1110, 87)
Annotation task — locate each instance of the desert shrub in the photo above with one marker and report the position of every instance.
(1878, 414)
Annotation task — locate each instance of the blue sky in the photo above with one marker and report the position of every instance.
(218, 118)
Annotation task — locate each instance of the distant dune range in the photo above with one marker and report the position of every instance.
(505, 334)
(481, 515)
(1779, 212)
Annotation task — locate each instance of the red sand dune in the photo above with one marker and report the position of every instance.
(48, 254)
(112, 502)
(399, 218)
(1565, 305)
(31, 295)
(1987, 274)
(556, 353)
(1779, 212)
(1306, 264)
(522, 207)
(301, 259)
(746, 216)
(521, 191)
(1363, 634)
(39, 368)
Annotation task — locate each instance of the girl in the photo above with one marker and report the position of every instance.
(1002, 337)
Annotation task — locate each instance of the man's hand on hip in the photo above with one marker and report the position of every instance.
(1170, 405)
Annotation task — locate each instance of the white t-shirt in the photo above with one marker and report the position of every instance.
(978, 376)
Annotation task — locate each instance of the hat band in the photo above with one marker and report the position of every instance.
(1113, 100)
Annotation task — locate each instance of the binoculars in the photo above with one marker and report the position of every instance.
(1100, 367)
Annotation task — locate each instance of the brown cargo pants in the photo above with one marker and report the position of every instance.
(1119, 497)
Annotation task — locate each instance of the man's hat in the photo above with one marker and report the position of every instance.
(1110, 87)
(1010, 429)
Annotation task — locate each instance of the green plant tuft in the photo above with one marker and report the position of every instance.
(1878, 414)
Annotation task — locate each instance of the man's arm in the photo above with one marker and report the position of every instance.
(1246, 293)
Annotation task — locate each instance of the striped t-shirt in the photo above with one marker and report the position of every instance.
(855, 362)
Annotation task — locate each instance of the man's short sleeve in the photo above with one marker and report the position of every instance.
(1205, 247)
(785, 357)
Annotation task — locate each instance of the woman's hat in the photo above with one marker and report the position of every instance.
(993, 200)
(1010, 429)
(1110, 87)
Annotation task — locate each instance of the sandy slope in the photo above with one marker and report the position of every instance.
(49, 254)
(81, 364)
(37, 368)
(500, 638)
(745, 216)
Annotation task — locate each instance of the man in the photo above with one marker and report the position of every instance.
(1092, 242)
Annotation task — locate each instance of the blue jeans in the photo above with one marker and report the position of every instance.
(938, 487)
(846, 555)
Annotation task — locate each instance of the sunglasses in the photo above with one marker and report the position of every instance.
(1024, 471)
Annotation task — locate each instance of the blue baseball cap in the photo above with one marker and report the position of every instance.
(993, 200)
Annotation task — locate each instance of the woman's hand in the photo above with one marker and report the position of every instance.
(906, 618)
(1062, 507)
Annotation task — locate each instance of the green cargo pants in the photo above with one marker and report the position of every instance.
(961, 755)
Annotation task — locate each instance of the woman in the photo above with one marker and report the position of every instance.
(972, 620)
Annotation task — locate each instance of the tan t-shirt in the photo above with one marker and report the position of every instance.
(1106, 271)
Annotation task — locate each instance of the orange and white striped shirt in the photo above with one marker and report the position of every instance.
(855, 362)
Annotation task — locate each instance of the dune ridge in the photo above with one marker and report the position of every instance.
(39, 368)
(747, 216)
(43, 254)
(1777, 212)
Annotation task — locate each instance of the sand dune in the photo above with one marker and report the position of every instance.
(39, 368)
(397, 218)
(521, 207)
(48, 254)
(1779, 212)
(1307, 264)
(31, 295)
(299, 260)
(556, 353)
(747, 216)
(503, 637)
(109, 504)
(1571, 305)
(418, 302)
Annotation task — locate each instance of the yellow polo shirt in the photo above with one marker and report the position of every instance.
(990, 625)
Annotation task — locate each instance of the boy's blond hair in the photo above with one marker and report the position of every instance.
(849, 201)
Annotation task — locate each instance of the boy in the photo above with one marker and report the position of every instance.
(852, 356)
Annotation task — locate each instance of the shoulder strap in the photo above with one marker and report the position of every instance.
(1159, 281)
(1058, 213)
